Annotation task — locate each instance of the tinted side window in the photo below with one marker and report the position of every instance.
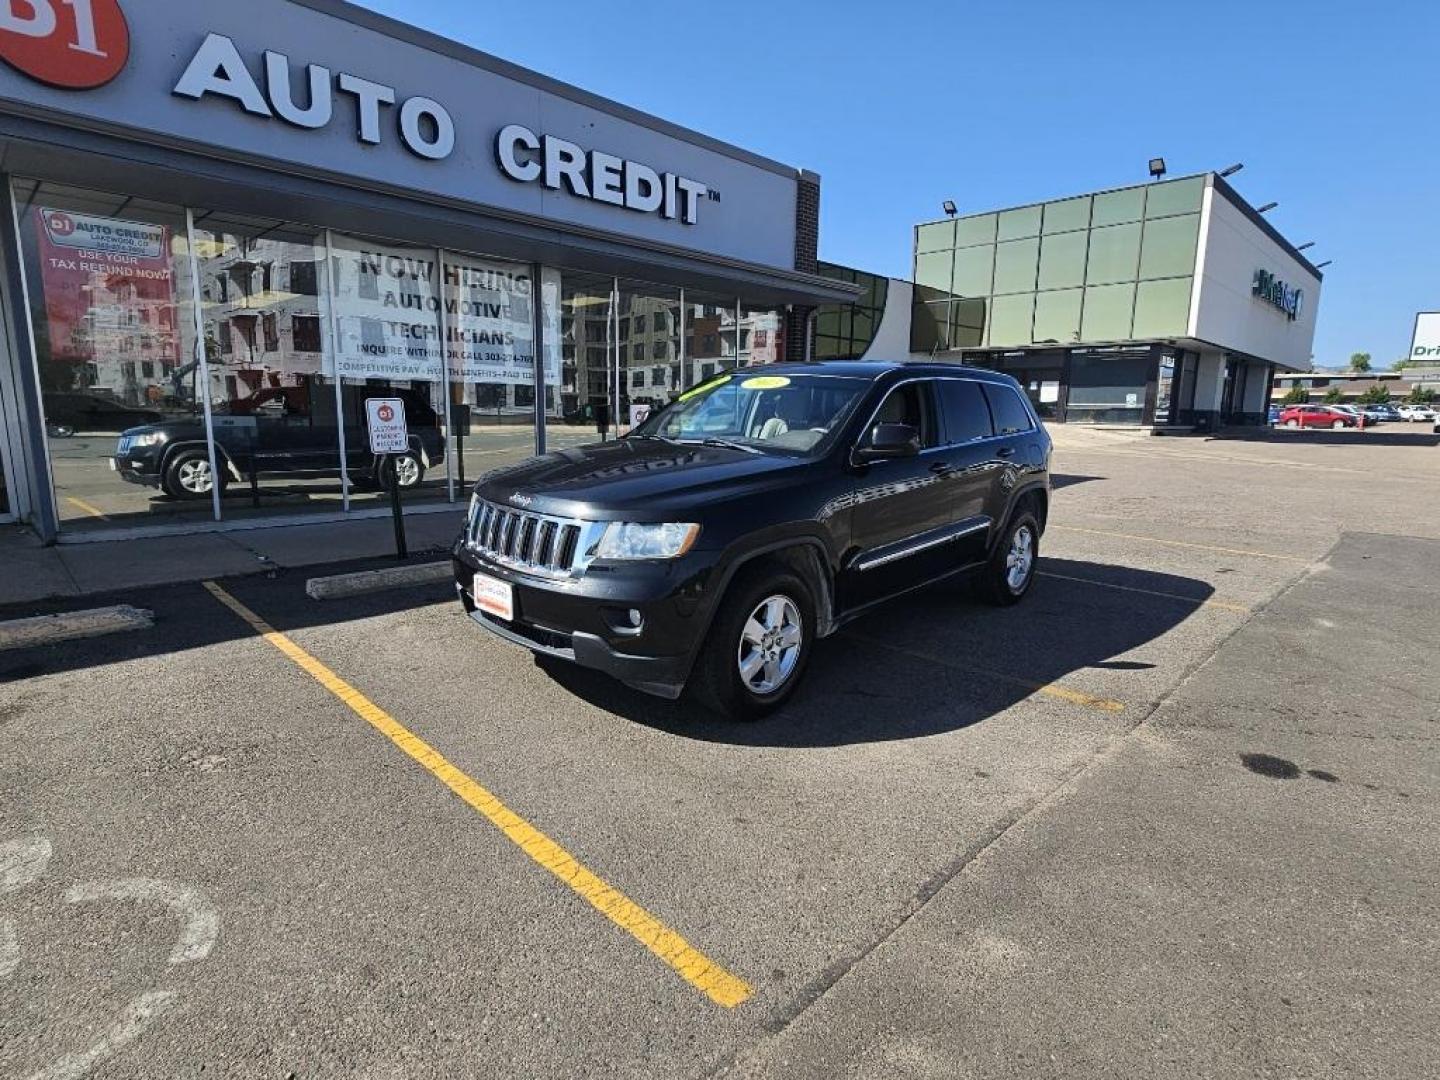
(1006, 407)
(967, 416)
(911, 403)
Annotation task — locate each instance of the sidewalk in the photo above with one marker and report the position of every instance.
(30, 572)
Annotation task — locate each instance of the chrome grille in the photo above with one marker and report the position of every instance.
(536, 543)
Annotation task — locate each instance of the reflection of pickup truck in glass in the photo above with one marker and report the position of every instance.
(289, 431)
(75, 413)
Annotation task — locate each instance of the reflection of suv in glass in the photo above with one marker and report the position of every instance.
(289, 431)
(67, 414)
(758, 513)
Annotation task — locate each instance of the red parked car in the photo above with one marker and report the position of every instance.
(1303, 416)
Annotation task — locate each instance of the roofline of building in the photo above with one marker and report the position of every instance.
(425, 39)
(1213, 178)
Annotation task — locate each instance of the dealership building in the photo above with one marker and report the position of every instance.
(235, 224)
(1166, 305)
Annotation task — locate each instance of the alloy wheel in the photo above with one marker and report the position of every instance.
(195, 477)
(1020, 558)
(407, 471)
(770, 645)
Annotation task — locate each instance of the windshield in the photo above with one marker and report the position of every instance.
(788, 413)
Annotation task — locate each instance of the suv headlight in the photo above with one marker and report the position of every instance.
(637, 540)
(149, 438)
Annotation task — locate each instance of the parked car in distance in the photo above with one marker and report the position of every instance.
(1330, 416)
(1416, 413)
(76, 413)
(288, 431)
(1381, 413)
(1273, 415)
(717, 543)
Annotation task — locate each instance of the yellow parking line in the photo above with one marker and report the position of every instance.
(693, 966)
(1051, 690)
(1184, 544)
(1221, 604)
(83, 505)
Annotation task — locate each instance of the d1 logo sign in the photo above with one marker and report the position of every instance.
(72, 44)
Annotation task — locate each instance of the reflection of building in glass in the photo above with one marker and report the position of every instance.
(127, 342)
(261, 312)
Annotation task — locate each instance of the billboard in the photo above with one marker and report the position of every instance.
(1425, 343)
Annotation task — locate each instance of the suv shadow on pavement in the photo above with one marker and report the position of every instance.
(939, 660)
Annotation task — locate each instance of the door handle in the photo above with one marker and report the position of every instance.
(1005, 452)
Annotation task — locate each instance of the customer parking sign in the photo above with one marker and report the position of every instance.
(388, 433)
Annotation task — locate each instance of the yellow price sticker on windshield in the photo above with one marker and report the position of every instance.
(688, 394)
(765, 382)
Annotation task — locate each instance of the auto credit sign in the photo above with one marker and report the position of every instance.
(386, 420)
(344, 94)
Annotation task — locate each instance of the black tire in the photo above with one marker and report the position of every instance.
(995, 582)
(716, 682)
(180, 475)
(411, 473)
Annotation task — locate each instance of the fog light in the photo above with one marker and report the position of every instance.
(636, 619)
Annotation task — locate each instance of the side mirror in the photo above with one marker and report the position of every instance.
(888, 441)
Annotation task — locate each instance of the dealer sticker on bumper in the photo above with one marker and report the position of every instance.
(494, 597)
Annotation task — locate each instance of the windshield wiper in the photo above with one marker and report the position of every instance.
(728, 445)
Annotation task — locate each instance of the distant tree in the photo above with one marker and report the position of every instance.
(1296, 395)
(1333, 396)
(1376, 395)
(1360, 361)
(1421, 395)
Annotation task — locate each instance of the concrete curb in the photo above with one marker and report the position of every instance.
(71, 625)
(338, 586)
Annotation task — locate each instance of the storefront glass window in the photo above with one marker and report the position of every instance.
(929, 324)
(489, 326)
(933, 268)
(114, 320)
(979, 229)
(762, 334)
(271, 378)
(937, 236)
(1067, 215)
(1175, 197)
(1107, 387)
(1057, 316)
(710, 334)
(1116, 207)
(1062, 260)
(650, 325)
(1162, 308)
(1015, 266)
(1108, 312)
(974, 269)
(968, 320)
(1169, 247)
(1114, 254)
(587, 307)
(845, 331)
(385, 302)
(1022, 222)
(1010, 319)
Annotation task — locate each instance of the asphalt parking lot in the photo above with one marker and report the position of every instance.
(1174, 816)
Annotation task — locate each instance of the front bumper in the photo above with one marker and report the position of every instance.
(582, 620)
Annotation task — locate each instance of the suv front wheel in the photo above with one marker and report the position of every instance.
(759, 644)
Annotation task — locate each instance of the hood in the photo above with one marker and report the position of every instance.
(641, 479)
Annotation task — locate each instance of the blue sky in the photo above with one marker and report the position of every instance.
(900, 105)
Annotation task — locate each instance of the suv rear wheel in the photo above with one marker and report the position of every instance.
(407, 467)
(1008, 575)
(759, 644)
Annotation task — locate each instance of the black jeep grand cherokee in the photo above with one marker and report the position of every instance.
(758, 513)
